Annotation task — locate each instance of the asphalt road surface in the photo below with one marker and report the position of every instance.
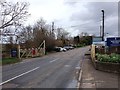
(55, 70)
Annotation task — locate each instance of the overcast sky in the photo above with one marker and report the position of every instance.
(76, 17)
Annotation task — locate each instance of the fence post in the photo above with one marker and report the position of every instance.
(18, 51)
(93, 52)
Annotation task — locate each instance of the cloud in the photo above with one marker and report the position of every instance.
(76, 16)
(91, 15)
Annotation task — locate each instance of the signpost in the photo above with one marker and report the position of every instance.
(114, 44)
(113, 41)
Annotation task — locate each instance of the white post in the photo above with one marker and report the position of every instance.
(44, 47)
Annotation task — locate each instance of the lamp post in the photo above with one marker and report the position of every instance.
(102, 25)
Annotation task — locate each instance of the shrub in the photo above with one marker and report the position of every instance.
(115, 58)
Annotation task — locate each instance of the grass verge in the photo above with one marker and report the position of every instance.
(5, 61)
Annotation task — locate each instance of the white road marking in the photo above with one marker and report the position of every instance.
(78, 68)
(54, 60)
(66, 65)
(19, 76)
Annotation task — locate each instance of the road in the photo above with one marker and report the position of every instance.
(55, 70)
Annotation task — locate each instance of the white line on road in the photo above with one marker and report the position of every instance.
(19, 76)
(66, 65)
(54, 60)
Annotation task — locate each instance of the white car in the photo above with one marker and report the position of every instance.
(60, 49)
(63, 49)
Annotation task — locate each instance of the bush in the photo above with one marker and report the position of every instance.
(114, 58)
(80, 45)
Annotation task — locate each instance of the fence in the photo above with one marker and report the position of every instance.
(108, 50)
(32, 52)
(16, 51)
(6, 50)
(93, 52)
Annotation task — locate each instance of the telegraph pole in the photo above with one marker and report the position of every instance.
(52, 33)
(100, 30)
(52, 26)
(102, 25)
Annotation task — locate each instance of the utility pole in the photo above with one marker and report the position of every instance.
(52, 33)
(52, 26)
(102, 25)
(100, 30)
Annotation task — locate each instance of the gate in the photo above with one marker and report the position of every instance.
(32, 52)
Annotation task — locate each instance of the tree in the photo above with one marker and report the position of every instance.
(62, 34)
(42, 31)
(12, 14)
(77, 40)
(84, 34)
(39, 32)
(25, 36)
(86, 40)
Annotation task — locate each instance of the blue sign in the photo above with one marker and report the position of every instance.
(113, 41)
(14, 53)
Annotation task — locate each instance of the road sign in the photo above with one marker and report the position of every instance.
(97, 39)
(13, 52)
(113, 41)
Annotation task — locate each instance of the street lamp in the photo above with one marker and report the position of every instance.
(102, 25)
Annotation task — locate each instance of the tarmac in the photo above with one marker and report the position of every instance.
(95, 79)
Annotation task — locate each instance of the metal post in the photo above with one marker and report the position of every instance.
(102, 25)
(100, 31)
(52, 26)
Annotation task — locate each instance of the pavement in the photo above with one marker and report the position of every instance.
(57, 70)
(95, 79)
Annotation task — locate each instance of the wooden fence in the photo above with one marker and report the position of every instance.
(93, 52)
(22, 52)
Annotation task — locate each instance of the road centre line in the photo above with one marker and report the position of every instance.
(54, 60)
(19, 76)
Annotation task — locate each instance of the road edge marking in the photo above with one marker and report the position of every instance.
(79, 79)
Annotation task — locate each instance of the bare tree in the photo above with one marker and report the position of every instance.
(26, 34)
(42, 31)
(62, 34)
(12, 14)
(84, 34)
